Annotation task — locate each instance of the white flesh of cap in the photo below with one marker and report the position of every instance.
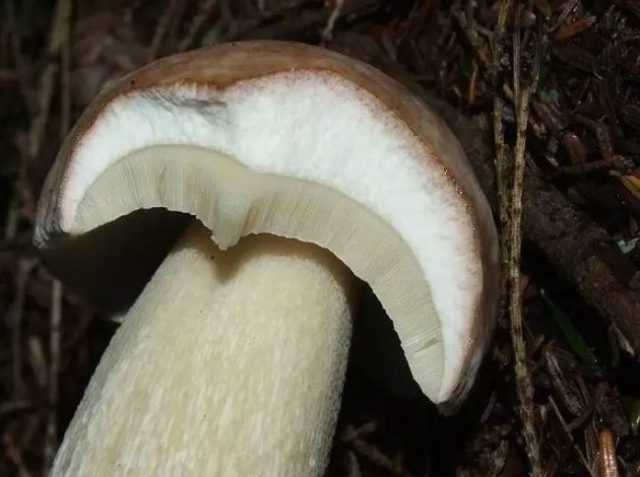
(308, 156)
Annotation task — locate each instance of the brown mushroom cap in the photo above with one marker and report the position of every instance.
(221, 74)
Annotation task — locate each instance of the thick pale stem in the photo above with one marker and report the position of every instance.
(229, 364)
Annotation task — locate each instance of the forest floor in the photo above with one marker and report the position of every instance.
(544, 96)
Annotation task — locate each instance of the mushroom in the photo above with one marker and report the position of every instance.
(303, 168)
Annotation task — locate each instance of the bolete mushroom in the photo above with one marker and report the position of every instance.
(231, 361)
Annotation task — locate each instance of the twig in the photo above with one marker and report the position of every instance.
(471, 92)
(500, 146)
(18, 58)
(55, 317)
(25, 266)
(327, 33)
(354, 466)
(466, 22)
(376, 456)
(516, 54)
(612, 162)
(14, 455)
(489, 408)
(13, 213)
(564, 14)
(65, 89)
(500, 458)
(204, 12)
(161, 28)
(59, 31)
(567, 432)
(607, 454)
(524, 385)
(500, 167)
(13, 406)
(38, 361)
(295, 19)
(362, 431)
(131, 10)
(54, 345)
(355, 438)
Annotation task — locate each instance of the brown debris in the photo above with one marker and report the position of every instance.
(607, 459)
(543, 95)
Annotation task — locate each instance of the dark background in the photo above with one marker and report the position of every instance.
(580, 60)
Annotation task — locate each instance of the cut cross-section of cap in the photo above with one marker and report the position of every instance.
(299, 142)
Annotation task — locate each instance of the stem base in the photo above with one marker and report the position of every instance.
(229, 364)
